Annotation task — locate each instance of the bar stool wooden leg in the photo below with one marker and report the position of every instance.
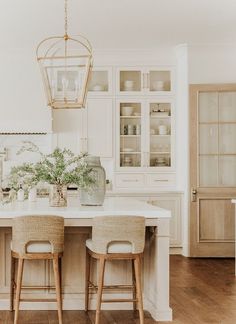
(137, 267)
(12, 283)
(18, 288)
(87, 278)
(58, 287)
(100, 287)
(134, 286)
(60, 274)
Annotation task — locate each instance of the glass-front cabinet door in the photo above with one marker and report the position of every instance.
(130, 117)
(160, 137)
(145, 138)
(100, 82)
(143, 81)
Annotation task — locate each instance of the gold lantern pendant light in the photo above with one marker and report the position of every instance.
(65, 63)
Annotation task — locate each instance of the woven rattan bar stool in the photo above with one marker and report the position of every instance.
(116, 238)
(36, 238)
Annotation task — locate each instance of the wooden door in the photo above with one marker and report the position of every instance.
(212, 170)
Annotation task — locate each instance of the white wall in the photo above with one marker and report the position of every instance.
(212, 63)
(182, 136)
(23, 106)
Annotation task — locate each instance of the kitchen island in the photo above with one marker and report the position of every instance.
(78, 223)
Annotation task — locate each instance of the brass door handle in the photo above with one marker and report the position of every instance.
(193, 195)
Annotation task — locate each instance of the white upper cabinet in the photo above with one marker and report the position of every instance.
(23, 105)
(86, 130)
(100, 83)
(98, 130)
(144, 81)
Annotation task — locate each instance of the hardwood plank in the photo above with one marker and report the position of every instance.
(203, 291)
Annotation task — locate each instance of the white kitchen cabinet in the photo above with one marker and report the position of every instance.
(98, 128)
(23, 104)
(144, 80)
(167, 200)
(86, 130)
(145, 135)
(171, 202)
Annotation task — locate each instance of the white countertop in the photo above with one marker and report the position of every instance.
(111, 206)
(233, 201)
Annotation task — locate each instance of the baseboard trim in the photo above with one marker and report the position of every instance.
(176, 250)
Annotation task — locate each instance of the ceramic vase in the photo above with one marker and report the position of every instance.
(94, 196)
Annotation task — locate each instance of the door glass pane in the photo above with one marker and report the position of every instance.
(160, 134)
(208, 135)
(130, 134)
(227, 171)
(227, 138)
(208, 171)
(208, 107)
(227, 106)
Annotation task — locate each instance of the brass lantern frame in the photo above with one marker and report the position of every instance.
(65, 55)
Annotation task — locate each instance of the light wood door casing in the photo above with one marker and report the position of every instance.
(212, 170)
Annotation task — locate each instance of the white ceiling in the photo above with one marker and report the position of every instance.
(120, 23)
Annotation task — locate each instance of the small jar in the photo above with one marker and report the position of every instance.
(20, 194)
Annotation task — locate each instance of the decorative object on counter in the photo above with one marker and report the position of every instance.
(21, 194)
(95, 194)
(32, 196)
(1, 194)
(59, 169)
(65, 63)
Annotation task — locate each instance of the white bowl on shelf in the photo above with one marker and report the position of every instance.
(128, 149)
(98, 87)
(158, 86)
(126, 110)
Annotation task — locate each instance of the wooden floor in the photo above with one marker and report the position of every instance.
(202, 291)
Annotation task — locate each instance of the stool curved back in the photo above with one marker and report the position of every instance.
(112, 229)
(27, 229)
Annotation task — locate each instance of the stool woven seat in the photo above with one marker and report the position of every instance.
(116, 238)
(36, 238)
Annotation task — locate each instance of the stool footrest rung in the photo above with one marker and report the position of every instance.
(118, 300)
(38, 287)
(112, 287)
(37, 300)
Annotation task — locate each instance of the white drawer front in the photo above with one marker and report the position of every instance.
(160, 180)
(129, 180)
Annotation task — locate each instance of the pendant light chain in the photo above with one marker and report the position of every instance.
(66, 19)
